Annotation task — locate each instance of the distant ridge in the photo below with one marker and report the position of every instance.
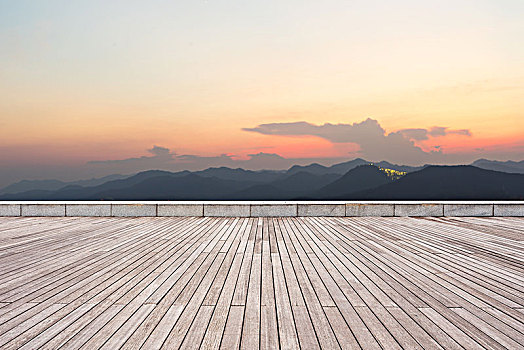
(314, 168)
(342, 168)
(357, 179)
(240, 174)
(507, 167)
(362, 180)
(51, 185)
(449, 183)
(294, 186)
(168, 187)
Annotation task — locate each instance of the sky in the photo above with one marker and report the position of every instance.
(91, 88)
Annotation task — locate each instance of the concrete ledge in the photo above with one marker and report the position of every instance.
(88, 209)
(273, 209)
(321, 210)
(423, 209)
(180, 209)
(261, 208)
(369, 209)
(468, 210)
(133, 210)
(10, 210)
(43, 210)
(508, 210)
(240, 210)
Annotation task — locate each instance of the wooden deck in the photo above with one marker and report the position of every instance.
(249, 282)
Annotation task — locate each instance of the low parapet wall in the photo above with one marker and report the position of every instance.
(262, 209)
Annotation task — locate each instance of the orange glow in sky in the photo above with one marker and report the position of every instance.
(107, 81)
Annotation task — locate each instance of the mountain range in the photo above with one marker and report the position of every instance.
(355, 179)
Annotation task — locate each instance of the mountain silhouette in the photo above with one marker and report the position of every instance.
(314, 168)
(240, 174)
(53, 185)
(342, 168)
(402, 168)
(262, 192)
(507, 167)
(304, 182)
(449, 183)
(360, 178)
(361, 181)
(294, 186)
(169, 187)
(76, 192)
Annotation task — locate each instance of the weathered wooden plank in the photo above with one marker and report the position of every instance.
(325, 335)
(198, 328)
(217, 324)
(251, 327)
(18, 330)
(458, 335)
(268, 317)
(491, 331)
(75, 341)
(37, 338)
(307, 335)
(127, 328)
(286, 323)
(241, 288)
(345, 337)
(180, 329)
(270, 282)
(233, 329)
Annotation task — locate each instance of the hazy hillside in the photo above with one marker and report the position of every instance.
(507, 167)
(342, 168)
(360, 178)
(361, 181)
(76, 192)
(449, 183)
(52, 185)
(294, 186)
(32, 185)
(239, 174)
(314, 168)
(174, 188)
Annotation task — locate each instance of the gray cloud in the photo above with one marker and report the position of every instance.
(375, 144)
(443, 131)
(159, 155)
(415, 134)
(159, 151)
(436, 131)
(337, 133)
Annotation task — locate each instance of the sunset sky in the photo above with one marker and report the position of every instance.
(90, 88)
